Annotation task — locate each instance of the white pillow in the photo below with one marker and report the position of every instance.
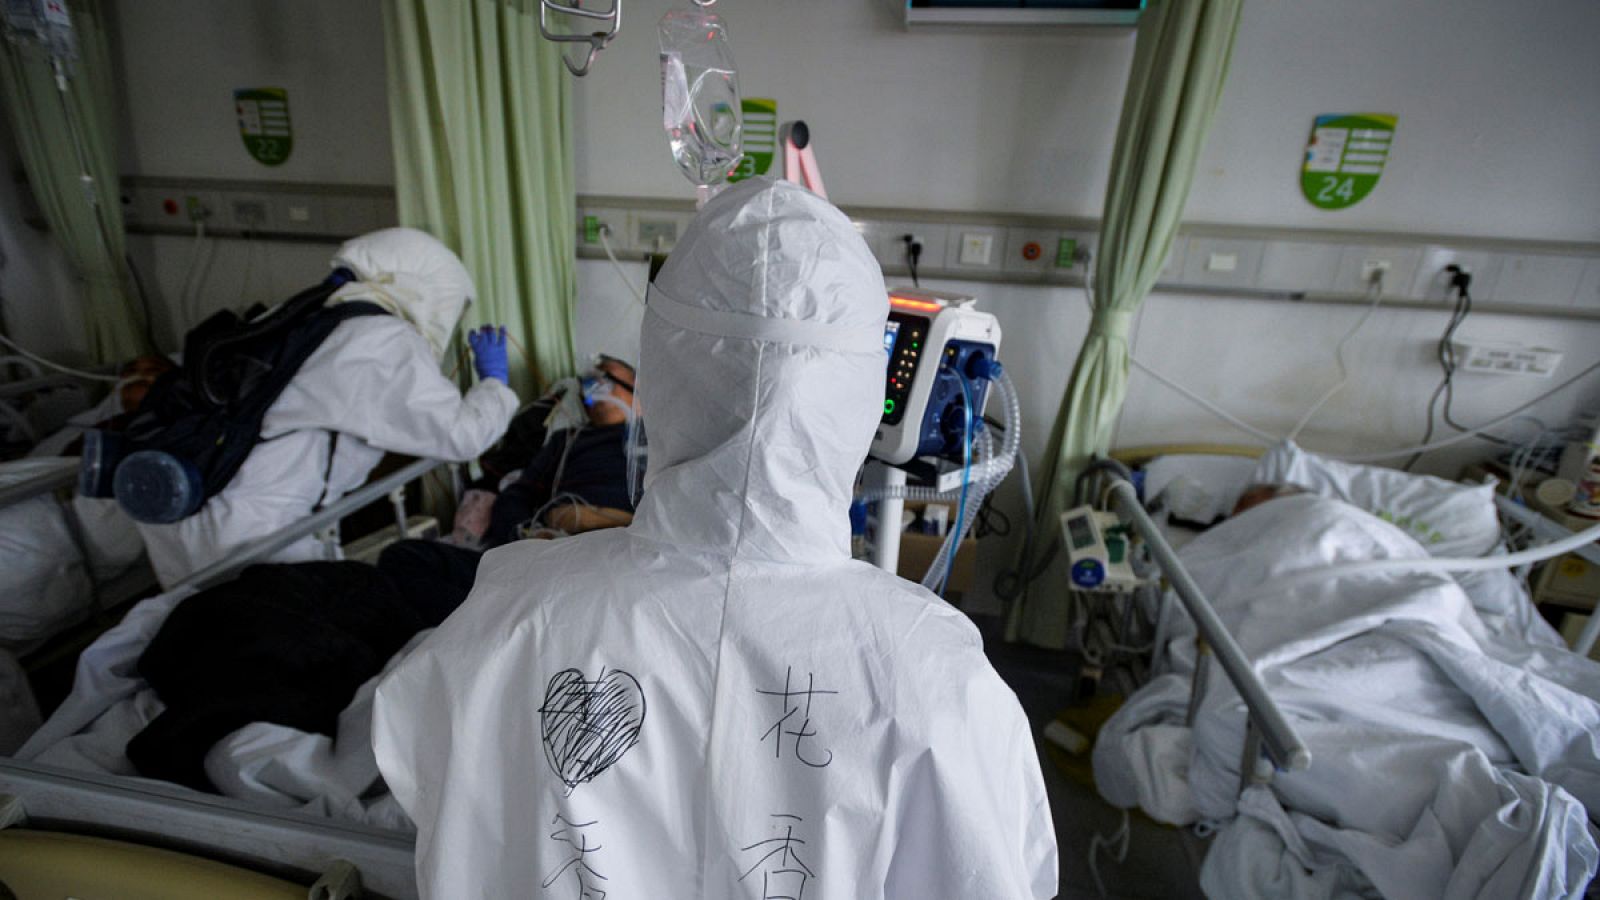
(1449, 519)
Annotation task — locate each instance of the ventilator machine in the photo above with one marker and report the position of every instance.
(932, 443)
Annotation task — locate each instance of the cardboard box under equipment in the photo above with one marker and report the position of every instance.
(917, 552)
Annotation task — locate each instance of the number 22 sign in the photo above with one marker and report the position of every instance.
(1345, 158)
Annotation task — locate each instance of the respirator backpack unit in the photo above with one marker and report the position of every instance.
(201, 420)
(941, 354)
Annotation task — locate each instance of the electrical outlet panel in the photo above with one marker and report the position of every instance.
(1540, 279)
(1029, 250)
(1299, 266)
(1589, 287)
(250, 212)
(1357, 262)
(971, 247)
(656, 234)
(1432, 281)
(1221, 262)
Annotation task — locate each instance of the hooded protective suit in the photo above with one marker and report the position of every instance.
(373, 386)
(718, 701)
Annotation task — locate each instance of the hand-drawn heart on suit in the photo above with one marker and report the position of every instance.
(589, 725)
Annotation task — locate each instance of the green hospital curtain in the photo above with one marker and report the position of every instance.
(1180, 61)
(44, 123)
(481, 120)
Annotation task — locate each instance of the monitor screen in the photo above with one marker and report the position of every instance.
(890, 332)
(1081, 532)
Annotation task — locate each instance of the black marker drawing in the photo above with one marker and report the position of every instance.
(792, 709)
(571, 833)
(588, 725)
(783, 873)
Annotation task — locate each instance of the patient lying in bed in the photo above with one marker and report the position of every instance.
(1453, 744)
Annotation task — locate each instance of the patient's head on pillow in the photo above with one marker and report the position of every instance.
(1257, 494)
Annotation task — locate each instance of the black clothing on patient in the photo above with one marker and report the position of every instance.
(429, 575)
(590, 463)
(288, 643)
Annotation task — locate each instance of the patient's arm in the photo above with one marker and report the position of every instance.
(574, 519)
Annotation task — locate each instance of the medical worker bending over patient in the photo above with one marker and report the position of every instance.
(374, 385)
(717, 701)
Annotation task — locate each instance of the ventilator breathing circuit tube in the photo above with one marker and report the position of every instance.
(985, 469)
(1447, 564)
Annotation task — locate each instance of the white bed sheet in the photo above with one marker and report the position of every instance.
(267, 764)
(1454, 749)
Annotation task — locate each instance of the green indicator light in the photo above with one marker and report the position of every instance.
(888, 406)
(915, 345)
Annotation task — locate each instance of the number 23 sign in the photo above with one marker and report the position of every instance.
(1345, 158)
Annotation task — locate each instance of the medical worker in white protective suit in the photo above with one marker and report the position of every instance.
(374, 385)
(717, 701)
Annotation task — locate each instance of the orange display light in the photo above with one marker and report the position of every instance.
(916, 305)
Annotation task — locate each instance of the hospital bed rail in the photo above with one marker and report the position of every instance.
(220, 827)
(327, 517)
(1268, 729)
(1548, 529)
(44, 482)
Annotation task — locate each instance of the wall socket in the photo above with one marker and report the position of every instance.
(1374, 269)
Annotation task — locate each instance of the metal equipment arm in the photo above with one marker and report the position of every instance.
(1282, 744)
(263, 547)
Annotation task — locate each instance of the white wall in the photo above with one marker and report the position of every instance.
(1497, 133)
(932, 120)
(181, 60)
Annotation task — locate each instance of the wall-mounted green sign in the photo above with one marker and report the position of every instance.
(1345, 158)
(760, 138)
(264, 123)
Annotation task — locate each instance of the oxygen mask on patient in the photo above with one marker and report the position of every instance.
(700, 105)
(602, 390)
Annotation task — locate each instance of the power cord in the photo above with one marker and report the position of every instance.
(1461, 284)
(913, 254)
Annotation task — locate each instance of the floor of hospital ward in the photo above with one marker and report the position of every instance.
(1161, 861)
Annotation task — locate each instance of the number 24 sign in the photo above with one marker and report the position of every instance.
(1345, 157)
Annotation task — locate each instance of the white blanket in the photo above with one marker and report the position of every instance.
(267, 764)
(1454, 750)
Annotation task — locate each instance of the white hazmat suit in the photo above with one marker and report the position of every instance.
(718, 701)
(374, 385)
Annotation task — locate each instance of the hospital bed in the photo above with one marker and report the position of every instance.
(35, 404)
(1481, 685)
(274, 840)
(58, 568)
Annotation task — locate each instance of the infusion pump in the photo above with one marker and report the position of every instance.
(1098, 549)
(933, 341)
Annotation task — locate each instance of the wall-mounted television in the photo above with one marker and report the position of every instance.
(1023, 12)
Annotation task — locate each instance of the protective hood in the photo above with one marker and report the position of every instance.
(411, 274)
(761, 377)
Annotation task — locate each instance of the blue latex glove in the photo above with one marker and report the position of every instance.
(489, 353)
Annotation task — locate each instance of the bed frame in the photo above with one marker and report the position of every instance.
(279, 842)
(1268, 730)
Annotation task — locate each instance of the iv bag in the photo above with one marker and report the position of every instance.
(42, 23)
(700, 107)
